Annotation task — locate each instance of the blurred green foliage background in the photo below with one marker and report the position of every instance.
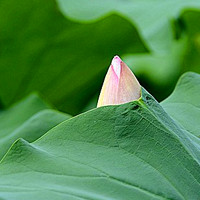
(62, 49)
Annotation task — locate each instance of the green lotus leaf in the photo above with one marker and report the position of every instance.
(129, 151)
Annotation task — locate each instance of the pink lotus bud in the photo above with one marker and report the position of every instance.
(120, 85)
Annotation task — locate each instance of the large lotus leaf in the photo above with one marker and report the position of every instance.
(41, 50)
(184, 103)
(153, 18)
(129, 151)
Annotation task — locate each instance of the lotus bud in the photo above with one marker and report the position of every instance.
(120, 85)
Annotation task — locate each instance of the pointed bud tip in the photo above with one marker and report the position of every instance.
(116, 64)
(117, 58)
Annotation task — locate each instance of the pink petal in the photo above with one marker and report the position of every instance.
(120, 85)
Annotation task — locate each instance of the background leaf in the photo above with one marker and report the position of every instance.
(65, 61)
(28, 119)
(191, 60)
(184, 105)
(153, 24)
